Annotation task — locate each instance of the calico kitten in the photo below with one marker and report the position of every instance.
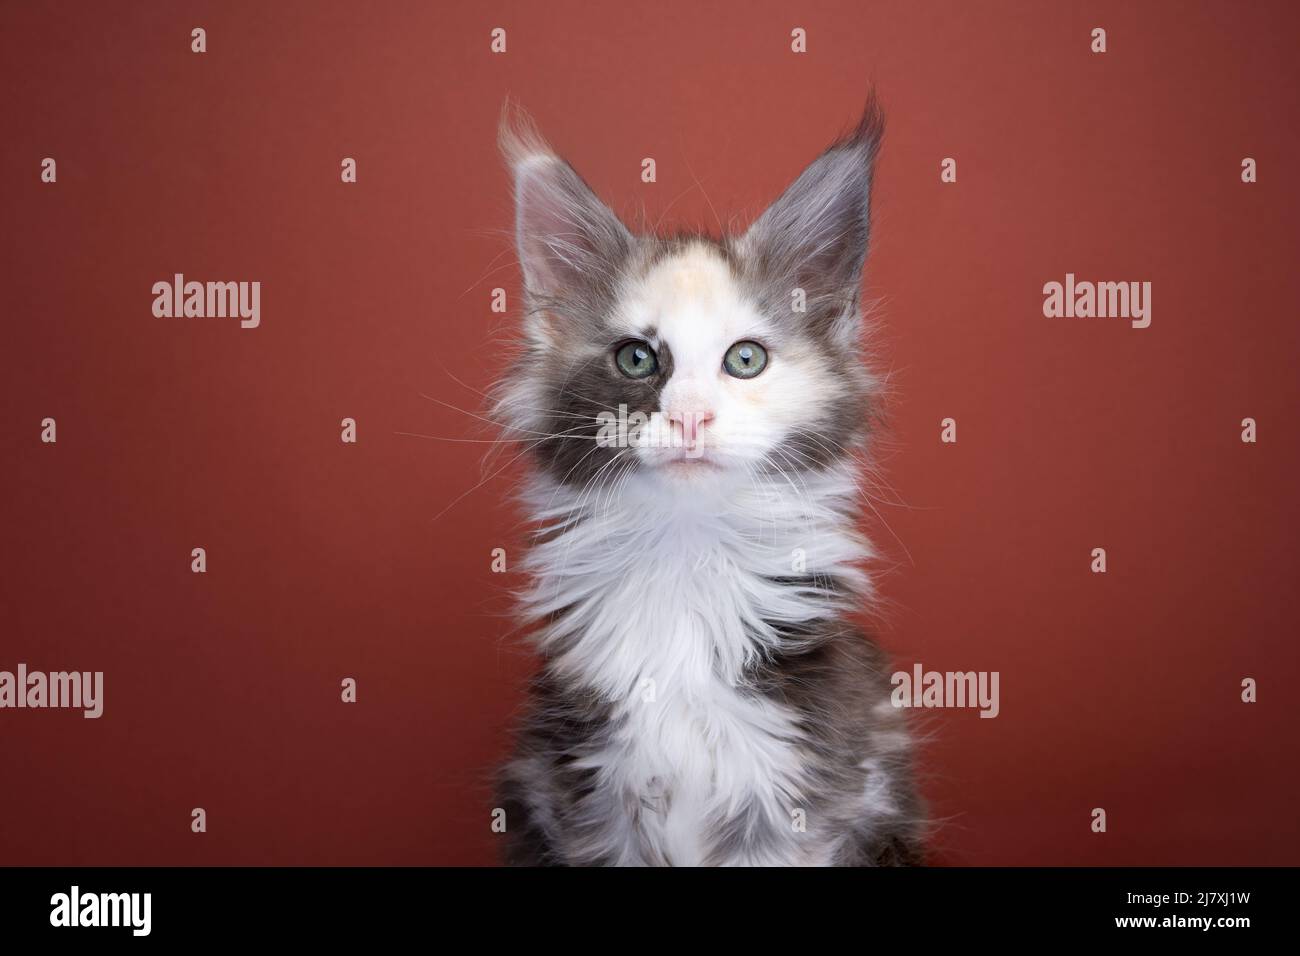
(693, 407)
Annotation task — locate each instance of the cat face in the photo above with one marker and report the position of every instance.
(690, 360)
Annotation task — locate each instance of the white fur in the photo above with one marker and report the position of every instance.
(668, 598)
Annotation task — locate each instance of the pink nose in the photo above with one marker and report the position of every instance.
(690, 422)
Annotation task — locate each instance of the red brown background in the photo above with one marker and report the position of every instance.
(327, 560)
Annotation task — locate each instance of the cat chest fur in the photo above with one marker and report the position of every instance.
(705, 768)
(698, 757)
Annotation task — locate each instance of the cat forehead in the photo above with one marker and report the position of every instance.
(688, 295)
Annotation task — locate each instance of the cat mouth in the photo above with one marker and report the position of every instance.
(694, 461)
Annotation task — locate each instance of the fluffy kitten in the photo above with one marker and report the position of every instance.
(702, 698)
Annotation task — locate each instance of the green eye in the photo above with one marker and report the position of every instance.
(636, 360)
(745, 359)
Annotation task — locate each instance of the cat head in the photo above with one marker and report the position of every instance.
(690, 360)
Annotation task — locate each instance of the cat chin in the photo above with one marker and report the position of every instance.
(687, 467)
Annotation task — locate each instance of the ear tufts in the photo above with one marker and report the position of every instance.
(520, 141)
(870, 129)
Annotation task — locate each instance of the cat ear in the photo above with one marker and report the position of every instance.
(814, 237)
(569, 242)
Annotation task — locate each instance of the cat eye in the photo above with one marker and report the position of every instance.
(636, 360)
(745, 359)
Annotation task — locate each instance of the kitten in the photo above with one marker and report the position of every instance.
(693, 408)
